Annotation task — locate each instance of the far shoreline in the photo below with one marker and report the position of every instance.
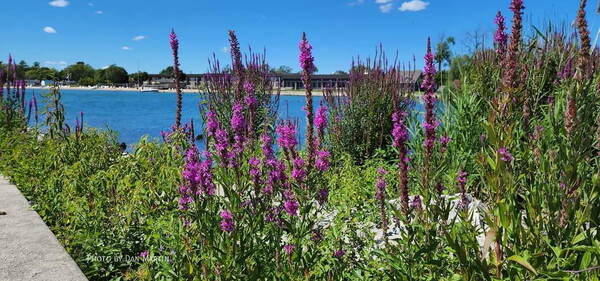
(169, 91)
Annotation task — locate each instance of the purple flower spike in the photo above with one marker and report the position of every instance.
(505, 155)
(227, 223)
(430, 123)
(289, 248)
(290, 205)
(322, 162)
(500, 37)
(339, 254)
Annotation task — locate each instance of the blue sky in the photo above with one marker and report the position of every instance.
(135, 32)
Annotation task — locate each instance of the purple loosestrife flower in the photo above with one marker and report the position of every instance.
(291, 204)
(287, 136)
(400, 135)
(500, 37)
(176, 73)
(510, 67)
(211, 123)
(144, 254)
(267, 147)
(381, 184)
(380, 196)
(322, 195)
(317, 235)
(439, 187)
(249, 87)
(289, 248)
(227, 223)
(339, 254)
(462, 182)
(255, 173)
(222, 145)
(206, 177)
(308, 67)
(238, 125)
(505, 155)
(430, 123)
(567, 71)
(444, 140)
(416, 204)
(298, 170)
(322, 163)
(238, 66)
(321, 123)
(274, 215)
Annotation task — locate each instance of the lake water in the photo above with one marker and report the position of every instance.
(135, 114)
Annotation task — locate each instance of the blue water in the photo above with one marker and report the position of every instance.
(135, 114)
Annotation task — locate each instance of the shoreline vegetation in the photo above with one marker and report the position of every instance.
(502, 184)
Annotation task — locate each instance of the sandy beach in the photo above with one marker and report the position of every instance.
(317, 93)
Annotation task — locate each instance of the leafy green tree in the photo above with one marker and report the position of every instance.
(168, 71)
(340, 72)
(138, 77)
(116, 74)
(77, 71)
(86, 81)
(443, 52)
(41, 73)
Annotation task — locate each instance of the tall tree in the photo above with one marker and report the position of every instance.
(443, 52)
(77, 71)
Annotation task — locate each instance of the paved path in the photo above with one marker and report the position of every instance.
(28, 249)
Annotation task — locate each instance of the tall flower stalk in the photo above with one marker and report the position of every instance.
(400, 135)
(176, 74)
(380, 196)
(430, 123)
(308, 67)
(238, 66)
(500, 37)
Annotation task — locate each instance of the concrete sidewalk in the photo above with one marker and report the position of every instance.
(28, 249)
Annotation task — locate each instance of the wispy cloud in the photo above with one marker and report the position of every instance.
(49, 29)
(383, 1)
(386, 8)
(225, 49)
(59, 3)
(357, 2)
(98, 12)
(90, 4)
(139, 38)
(127, 48)
(413, 6)
(48, 62)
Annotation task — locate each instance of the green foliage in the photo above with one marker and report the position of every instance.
(77, 71)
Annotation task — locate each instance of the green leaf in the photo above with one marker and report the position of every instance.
(523, 262)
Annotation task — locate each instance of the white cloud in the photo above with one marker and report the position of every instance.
(225, 49)
(105, 67)
(383, 1)
(90, 4)
(357, 2)
(139, 38)
(386, 8)
(127, 48)
(59, 3)
(98, 12)
(49, 29)
(55, 62)
(413, 6)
